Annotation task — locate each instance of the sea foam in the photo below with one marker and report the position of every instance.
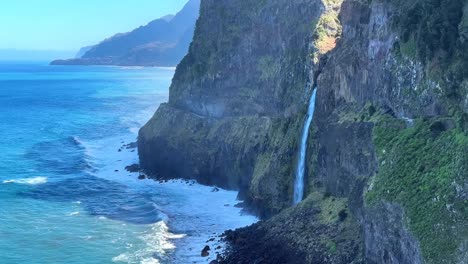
(28, 181)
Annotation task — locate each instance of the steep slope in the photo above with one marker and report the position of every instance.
(237, 101)
(386, 176)
(162, 42)
(397, 80)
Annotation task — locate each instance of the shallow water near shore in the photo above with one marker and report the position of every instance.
(65, 196)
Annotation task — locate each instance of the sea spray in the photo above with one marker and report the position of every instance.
(299, 182)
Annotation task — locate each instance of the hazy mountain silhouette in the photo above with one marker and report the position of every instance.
(162, 42)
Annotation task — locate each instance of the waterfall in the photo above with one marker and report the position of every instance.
(299, 182)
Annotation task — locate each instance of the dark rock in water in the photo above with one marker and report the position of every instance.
(240, 205)
(132, 145)
(215, 189)
(116, 170)
(120, 150)
(141, 177)
(206, 251)
(133, 168)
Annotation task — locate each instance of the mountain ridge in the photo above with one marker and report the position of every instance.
(161, 42)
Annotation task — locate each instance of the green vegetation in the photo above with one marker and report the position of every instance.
(409, 48)
(433, 24)
(331, 246)
(435, 31)
(268, 67)
(334, 212)
(327, 29)
(422, 168)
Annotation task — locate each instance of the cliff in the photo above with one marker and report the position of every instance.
(386, 174)
(237, 101)
(162, 42)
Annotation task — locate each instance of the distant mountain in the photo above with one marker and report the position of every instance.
(168, 18)
(83, 51)
(162, 42)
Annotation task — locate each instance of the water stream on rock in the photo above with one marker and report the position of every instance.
(299, 182)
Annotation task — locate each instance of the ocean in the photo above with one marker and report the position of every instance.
(66, 135)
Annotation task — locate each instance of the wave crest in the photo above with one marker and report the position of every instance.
(28, 181)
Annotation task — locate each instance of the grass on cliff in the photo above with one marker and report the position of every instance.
(423, 168)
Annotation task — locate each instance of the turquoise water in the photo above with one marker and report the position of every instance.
(65, 196)
(53, 209)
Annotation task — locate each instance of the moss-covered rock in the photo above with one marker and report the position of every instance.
(319, 230)
(416, 200)
(424, 169)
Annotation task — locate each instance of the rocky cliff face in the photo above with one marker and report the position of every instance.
(387, 178)
(391, 128)
(237, 101)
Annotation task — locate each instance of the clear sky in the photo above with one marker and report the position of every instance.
(71, 24)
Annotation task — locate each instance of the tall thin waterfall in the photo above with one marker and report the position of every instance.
(299, 182)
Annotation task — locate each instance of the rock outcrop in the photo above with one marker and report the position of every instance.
(387, 166)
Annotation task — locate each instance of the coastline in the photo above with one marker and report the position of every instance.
(123, 67)
(195, 215)
(70, 187)
(64, 180)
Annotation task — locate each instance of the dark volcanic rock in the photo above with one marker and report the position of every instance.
(132, 145)
(133, 168)
(296, 236)
(206, 251)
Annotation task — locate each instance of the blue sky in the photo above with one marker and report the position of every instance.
(71, 24)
